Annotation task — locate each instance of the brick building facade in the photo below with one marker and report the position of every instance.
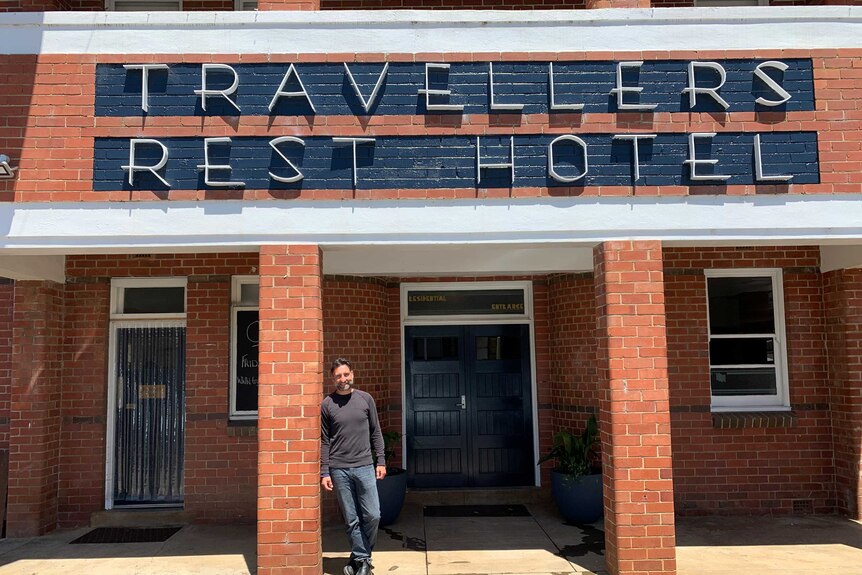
(669, 217)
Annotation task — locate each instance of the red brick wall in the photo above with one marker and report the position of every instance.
(573, 385)
(221, 459)
(34, 427)
(85, 376)
(7, 294)
(754, 470)
(35, 5)
(843, 303)
(355, 327)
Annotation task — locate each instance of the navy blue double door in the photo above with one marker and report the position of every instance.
(469, 406)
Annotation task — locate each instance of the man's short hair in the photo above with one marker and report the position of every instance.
(338, 363)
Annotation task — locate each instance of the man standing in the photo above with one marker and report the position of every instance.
(348, 428)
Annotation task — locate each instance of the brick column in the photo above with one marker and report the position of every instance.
(263, 5)
(842, 295)
(617, 4)
(289, 396)
(634, 415)
(34, 414)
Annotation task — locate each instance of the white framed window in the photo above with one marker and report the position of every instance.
(143, 5)
(747, 341)
(244, 347)
(247, 5)
(148, 298)
(711, 3)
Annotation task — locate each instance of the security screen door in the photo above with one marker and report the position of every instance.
(469, 406)
(150, 407)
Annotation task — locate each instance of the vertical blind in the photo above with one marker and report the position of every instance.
(150, 374)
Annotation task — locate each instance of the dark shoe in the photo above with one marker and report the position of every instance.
(350, 568)
(364, 568)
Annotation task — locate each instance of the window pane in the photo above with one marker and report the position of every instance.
(248, 294)
(154, 300)
(498, 347)
(737, 351)
(753, 381)
(741, 305)
(246, 357)
(435, 348)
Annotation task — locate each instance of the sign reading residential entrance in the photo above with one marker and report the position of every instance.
(465, 302)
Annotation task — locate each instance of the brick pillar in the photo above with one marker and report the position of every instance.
(289, 396)
(634, 414)
(842, 296)
(617, 4)
(34, 426)
(288, 5)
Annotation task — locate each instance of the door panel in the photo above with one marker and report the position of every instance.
(150, 414)
(469, 410)
(436, 423)
(500, 405)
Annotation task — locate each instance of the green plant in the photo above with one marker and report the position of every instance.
(575, 454)
(390, 441)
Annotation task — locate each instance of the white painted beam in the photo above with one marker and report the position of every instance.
(34, 267)
(439, 260)
(414, 31)
(63, 228)
(840, 257)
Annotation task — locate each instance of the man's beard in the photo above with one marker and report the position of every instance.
(344, 385)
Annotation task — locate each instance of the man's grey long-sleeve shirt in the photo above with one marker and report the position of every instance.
(348, 428)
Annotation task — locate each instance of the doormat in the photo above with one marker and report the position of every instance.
(127, 535)
(476, 511)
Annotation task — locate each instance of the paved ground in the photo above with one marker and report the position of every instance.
(537, 545)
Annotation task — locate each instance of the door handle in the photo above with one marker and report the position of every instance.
(463, 404)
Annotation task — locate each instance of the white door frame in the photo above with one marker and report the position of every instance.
(121, 320)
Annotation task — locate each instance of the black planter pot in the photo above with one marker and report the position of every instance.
(391, 490)
(579, 500)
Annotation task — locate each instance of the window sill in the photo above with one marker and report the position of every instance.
(242, 428)
(753, 419)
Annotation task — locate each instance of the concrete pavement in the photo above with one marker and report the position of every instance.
(541, 544)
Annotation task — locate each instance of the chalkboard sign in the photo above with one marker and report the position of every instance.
(246, 326)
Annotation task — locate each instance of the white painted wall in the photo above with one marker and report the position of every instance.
(431, 31)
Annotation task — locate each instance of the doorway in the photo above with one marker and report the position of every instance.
(146, 398)
(469, 406)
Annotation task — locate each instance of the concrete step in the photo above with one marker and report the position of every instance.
(482, 496)
(140, 518)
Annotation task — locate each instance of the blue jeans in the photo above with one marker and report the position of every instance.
(356, 489)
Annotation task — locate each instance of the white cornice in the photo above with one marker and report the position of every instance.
(63, 228)
(290, 32)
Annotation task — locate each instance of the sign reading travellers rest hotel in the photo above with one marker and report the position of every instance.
(451, 160)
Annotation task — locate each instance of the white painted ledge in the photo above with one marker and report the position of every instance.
(63, 228)
(431, 31)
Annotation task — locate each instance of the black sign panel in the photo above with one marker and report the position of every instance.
(246, 360)
(466, 302)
